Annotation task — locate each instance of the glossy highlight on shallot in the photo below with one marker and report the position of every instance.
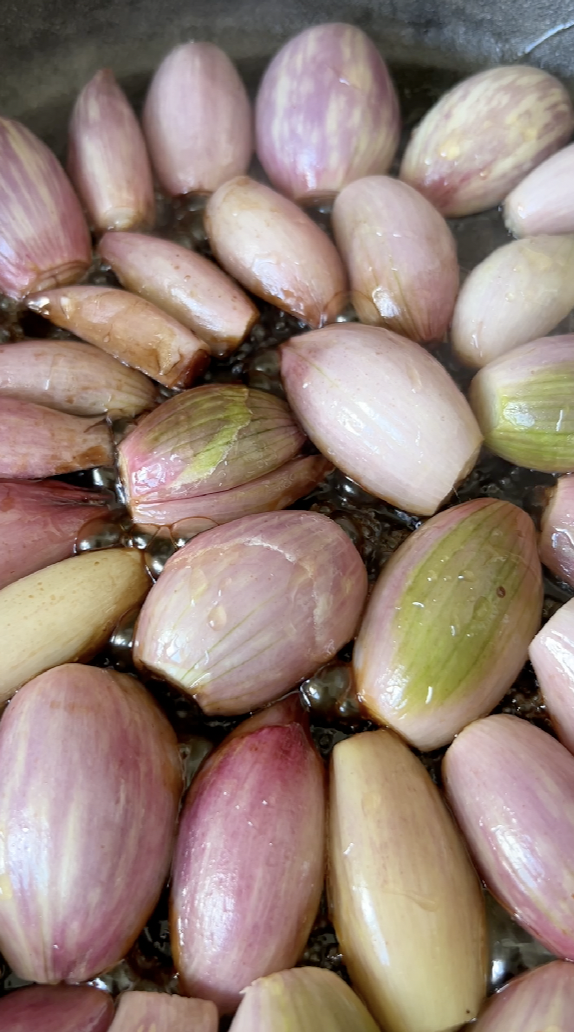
(107, 157)
(304, 999)
(45, 239)
(540, 999)
(56, 1008)
(326, 113)
(384, 411)
(215, 451)
(184, 284)
(197, 120)
(404, 898)
(276, 251)
(485, 135)
(400, 255)
(511, 788)
(91, 780)
(552, 656)
(517, 294)
(245, 611)
(129, 328)
(524, 404)
(556, 540)
(40, 522)
(448, 625)
(36, 441)
(248, 868)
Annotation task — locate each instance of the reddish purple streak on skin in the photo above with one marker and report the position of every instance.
(91, 778)
(245, 611)
(51, 1008)
(107, 157)
(249, 861)
(44, 239)
(327, 113)
(511, 788)
(197, 120)
(39, 524)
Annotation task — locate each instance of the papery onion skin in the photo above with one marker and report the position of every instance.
(197, 120)
(542, 203)
(245, 611)
(66, 612)
(36, 441)
(249, 861)
(45, 239)
(552, 656)
(163, 1012)
(56, 1008)
(107, 157)
(128, 328)
(540, 999)
(39, 524)
(511, 788)
(276, 251)
(326, 113)
(524, 404)
(91, 780)
(517, 294)
(208, 439)
(184, 284)
(449, 622)
(556, 541)
(304, 999)
(405, 901)
(382, 410)
(73, 377)
(400, 255)
(268, 493)
(485, 135)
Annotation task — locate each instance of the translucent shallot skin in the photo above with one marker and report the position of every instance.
(511, 788)
(36, 441)
(524, 404)
(539, 999)
(448, 625)
(516, 295)
(552, 656)
(248, 868)
(245, 611)
(44, 239)
(404, 898)
(128, 328)
(400, 256)
(276, 251)
(66, 612)
(477, 143)
(163, 1012)
(73, 377)
(304, 999)
(383, 410)
(542, 202)
(107, 157)
(56, 1008)
(39, 524)
(197, 120)
(556, 541)
(326, 113)
(184, 284)
(91, 780)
